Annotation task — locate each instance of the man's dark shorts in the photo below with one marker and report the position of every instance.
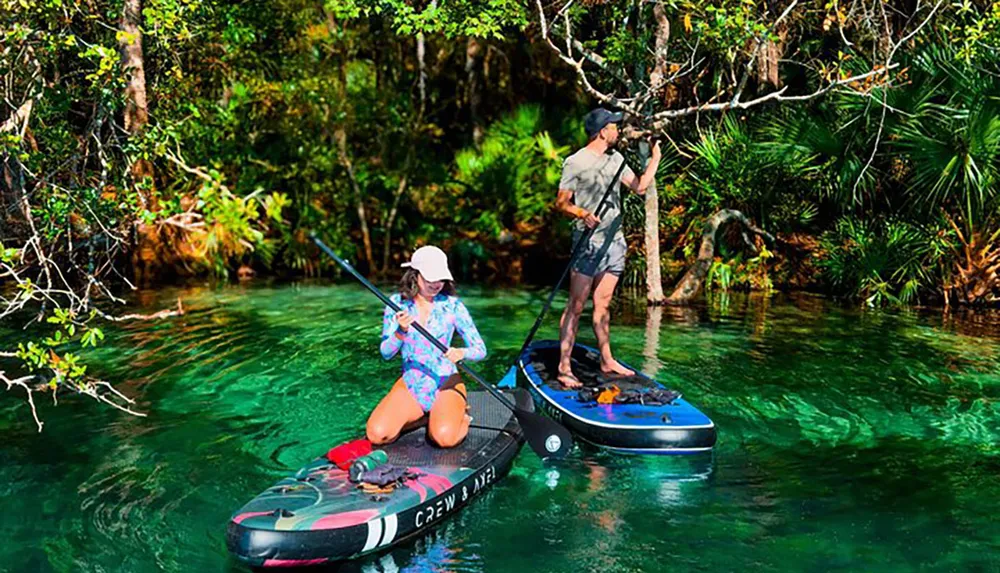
(605, 257)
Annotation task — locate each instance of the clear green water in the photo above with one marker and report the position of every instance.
(847, 440)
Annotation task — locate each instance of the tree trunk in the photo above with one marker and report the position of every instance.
(13, 189)
(136, 110)
(147, 241)
(473, 51)
(771, 52)
(13, 174)
(691, 283)
(400, 190)
(422, 66)
(660, 65)
(654, 280)
(422, 70)
(345, 161)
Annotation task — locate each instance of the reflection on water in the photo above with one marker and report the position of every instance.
(848, 439)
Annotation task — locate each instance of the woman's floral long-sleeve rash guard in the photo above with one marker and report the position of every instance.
(425, 367)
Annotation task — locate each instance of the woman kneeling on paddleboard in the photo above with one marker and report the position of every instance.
(430, 382)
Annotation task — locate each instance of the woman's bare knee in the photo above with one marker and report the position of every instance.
(379, 432)
(447, 435)
(446, 438)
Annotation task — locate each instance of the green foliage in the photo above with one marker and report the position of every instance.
(509, 179)
(725, 169)
(740, 273)
(734, 166)
(263, 96)
(724, 25)
(482, 18)
(952, 144)
(720, 276)
(67, 368)
(883, 261)
(974, 30)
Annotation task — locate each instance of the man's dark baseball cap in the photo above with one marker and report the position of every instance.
(597, 119)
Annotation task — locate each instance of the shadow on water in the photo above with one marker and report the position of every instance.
(848, 439)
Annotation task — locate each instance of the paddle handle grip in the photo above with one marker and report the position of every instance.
(396, 308)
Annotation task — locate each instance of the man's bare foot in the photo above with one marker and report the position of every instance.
(615, 367)
(569, 381)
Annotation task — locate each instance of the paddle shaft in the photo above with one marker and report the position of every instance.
(388, 302)
(577, 249)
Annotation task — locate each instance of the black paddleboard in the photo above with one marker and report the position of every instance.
(319, 516)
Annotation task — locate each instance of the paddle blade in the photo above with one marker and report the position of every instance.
(547, 438)
(509, 379)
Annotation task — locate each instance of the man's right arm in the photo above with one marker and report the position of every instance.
(564, 204)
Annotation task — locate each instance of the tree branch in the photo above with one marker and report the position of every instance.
(661, 117)
(594, 58)
(23, 383)
(19, 119)
(885, 106)
(179, 311)
(756, 51)
(578, 65)
(690, 285)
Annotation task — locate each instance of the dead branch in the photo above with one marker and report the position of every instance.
(655, 121)
(19, 119)
(690, 285)
(660, 119)
(578, 65)
(165, 313)
(22, 382)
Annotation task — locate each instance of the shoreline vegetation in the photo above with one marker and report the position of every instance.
(835, 147)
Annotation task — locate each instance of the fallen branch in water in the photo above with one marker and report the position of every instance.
(179, 311)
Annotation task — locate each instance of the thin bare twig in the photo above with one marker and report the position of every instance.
(885, 107)
(22, 382)
(578, 65)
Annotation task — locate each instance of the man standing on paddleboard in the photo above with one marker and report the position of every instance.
(586, 176)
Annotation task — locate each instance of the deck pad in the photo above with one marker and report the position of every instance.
(678, 427)
(319, 514)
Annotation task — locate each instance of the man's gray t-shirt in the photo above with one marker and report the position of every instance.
(588, 175)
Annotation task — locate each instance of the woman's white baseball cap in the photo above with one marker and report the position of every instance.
(432, 264)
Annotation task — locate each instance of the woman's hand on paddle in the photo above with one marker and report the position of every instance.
(404, 319)
(455, 354)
